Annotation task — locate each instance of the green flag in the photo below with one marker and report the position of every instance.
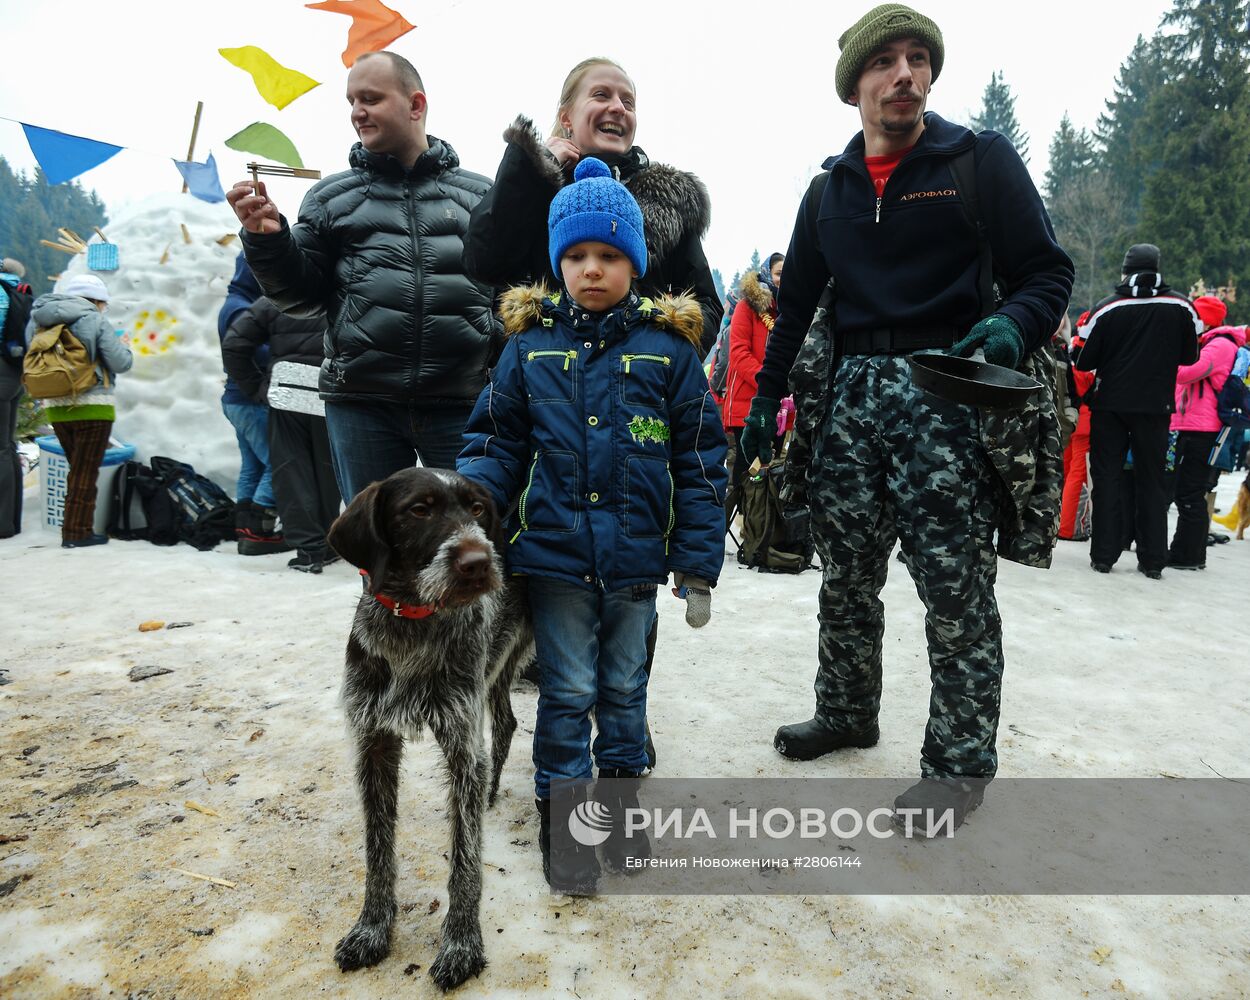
(265, 140)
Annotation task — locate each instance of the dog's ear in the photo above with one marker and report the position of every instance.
(359, 535)
(490, 521)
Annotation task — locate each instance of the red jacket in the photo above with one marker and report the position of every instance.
(748, 336)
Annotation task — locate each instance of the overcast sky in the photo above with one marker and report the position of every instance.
(740, 94)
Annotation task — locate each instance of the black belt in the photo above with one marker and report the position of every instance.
(891, 341)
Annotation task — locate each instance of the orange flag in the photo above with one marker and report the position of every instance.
(374, 25)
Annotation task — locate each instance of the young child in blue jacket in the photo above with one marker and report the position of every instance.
(599, 428)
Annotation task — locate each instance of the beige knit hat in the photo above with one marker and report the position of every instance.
(885, 23)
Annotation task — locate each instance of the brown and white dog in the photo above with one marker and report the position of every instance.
(436, 636)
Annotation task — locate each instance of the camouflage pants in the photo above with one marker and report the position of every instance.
(892, 463)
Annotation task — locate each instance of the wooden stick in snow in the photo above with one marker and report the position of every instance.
(205, 878)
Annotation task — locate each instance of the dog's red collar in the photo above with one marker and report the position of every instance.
(403, 610)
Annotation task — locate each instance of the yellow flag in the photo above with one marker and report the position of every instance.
(276, 84)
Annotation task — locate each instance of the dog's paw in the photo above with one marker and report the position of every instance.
(457, 961)
(365, 944)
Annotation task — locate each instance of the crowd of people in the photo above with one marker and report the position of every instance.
(1142, 374)
(544, 334)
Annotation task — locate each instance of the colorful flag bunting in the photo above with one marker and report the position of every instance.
(201, 179)
(374, 25)
(277, 84)
(63, 157)
(264, 140)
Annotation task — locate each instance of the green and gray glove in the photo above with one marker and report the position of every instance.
(759, 429)
(998, 336)
(697, 593)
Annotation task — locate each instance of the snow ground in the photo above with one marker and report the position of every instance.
(1106, 676)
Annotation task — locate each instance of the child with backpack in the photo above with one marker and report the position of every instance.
(598, 422)
(72, 360)
(15, 302)
(1196, 424)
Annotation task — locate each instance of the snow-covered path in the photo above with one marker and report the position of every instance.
(1106, 676)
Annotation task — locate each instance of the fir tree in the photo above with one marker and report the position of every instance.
(1123, 132)
(1196, 205)
(1071, 158)
(719, 283)
(31, 210)
(998, 112)
(1087, 212)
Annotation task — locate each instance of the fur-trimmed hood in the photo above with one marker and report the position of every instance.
(757, 295)
(523, 306)
(673, 202)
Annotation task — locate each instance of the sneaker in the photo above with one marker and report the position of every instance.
(1098, 567)
(569, 866)
(934, 806)
(1150, 574)
(811, 739)
(82, 543)
(617, 792)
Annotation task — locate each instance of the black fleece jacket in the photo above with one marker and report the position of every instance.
(507, 239)
(377, 252)
(910, 262)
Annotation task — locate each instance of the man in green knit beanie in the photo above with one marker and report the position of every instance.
(893, 223)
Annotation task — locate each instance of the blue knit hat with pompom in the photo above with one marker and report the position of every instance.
(597, 208)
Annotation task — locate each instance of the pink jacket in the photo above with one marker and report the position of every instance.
(1197, 385)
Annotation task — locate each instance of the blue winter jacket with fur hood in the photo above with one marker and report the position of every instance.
(601, 428)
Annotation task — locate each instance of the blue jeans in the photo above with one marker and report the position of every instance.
(251, 427)
(592, 648)
(369, 441)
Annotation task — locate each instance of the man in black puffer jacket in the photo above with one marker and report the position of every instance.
(376, 251)
(304, 484)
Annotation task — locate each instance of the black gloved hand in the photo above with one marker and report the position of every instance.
(759, 429)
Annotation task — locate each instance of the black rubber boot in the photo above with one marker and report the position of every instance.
(243, 519)
(617, 791)
(260, 535)
(938, 806)
(568, 865)
(811, 739)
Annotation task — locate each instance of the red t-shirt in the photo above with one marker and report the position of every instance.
(880, 167)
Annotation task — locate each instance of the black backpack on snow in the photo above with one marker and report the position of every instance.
(205, 512)
(142, 507)
(776, 537)
(15, 320)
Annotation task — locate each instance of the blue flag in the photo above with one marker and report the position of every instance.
(63, 157)
(201, 179)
